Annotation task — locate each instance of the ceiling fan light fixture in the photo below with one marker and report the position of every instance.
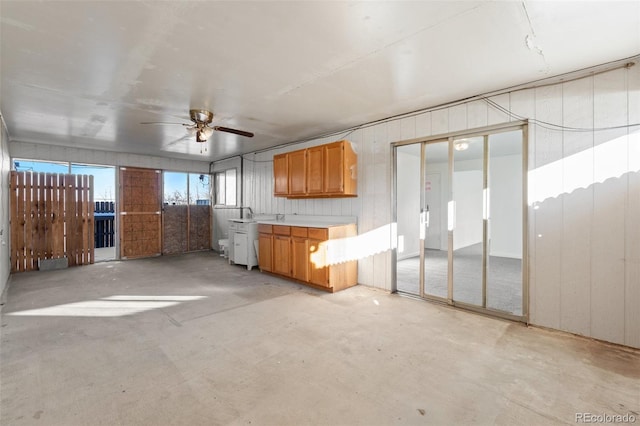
(207, 131)
(201, 136)
(461, 145)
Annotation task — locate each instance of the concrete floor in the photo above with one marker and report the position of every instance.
(257, 350)
(104, 253)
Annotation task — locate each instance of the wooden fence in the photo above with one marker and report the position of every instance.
(51, 217)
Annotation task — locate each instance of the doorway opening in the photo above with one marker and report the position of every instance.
(104, 197)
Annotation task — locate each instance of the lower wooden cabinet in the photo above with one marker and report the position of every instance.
(265, 244)
(318, 271)
(282, 255)
(301, 254)
(300, 258)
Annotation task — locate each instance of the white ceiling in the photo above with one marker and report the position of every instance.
(87, 73)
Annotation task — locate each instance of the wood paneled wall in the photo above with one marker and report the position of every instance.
(174, 229)
(186, 228)
(584, 245)
(51, 217)
(199, 227)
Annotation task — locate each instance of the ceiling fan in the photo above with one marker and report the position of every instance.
(200, 125)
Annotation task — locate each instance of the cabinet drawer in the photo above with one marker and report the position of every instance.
(319, 233)
(297, 231)
(281, 230)
(264, 229)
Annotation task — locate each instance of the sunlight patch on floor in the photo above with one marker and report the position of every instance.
(111, 306)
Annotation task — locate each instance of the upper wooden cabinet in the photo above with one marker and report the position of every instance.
(315, 170)
(297, 165)
(340, 164)
(322, 171)
(280, 175)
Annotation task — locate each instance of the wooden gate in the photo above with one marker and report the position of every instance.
(51, 217)
(140, 219)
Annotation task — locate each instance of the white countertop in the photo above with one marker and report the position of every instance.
(310, 221)
(308, 224)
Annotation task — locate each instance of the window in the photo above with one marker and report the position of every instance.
(175, 188)
(186, 188)
(226, 187)
(104, 180)
(22, 165)
(199, 189)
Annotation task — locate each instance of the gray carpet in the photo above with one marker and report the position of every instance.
(504, 278)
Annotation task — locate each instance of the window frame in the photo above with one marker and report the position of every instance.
(223, 176)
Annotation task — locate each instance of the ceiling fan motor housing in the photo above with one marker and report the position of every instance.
(201, 116)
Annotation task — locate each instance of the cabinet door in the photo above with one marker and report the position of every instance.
(334, 167)
(280, 175)
(297, 172)
(315, 167)
(318, 269)
(265, 259)
(300, 258)
(282, 255)
(240, 249)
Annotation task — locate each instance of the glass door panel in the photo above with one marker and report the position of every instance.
(408, 218)
(436, 184)
(504, 227)
(466, 212)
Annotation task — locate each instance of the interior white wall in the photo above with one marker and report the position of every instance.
(5, 236)
(408, 200)
(584, 245)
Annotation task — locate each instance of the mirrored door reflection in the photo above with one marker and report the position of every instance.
(504, 229)
(467, 224)
(408, 218)
(436, 184)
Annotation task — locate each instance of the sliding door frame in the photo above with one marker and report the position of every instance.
(484, 132)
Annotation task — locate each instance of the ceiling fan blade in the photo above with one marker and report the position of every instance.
(176, 141)
(165, 122)
(234, 131)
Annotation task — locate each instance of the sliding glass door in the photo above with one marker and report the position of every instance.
(467, 227)
(409, 205)
(436, 242)
(504, 199)
(459, 209)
